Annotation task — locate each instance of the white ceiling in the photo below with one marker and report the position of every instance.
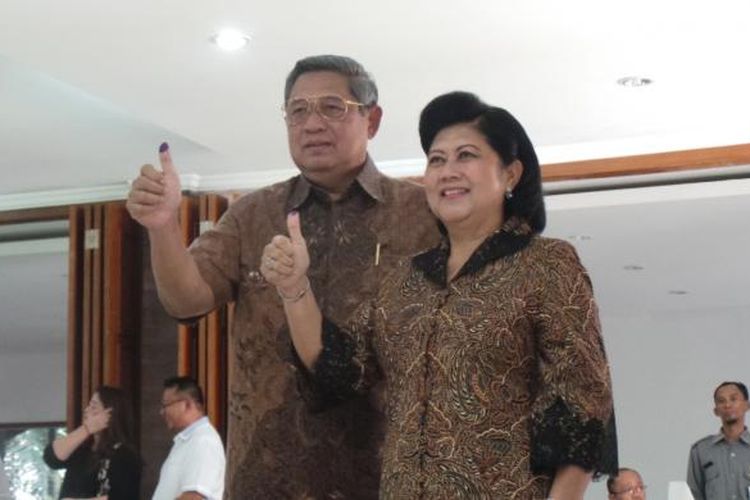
(88, 89)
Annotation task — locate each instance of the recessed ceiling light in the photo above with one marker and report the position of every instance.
(634, 81)
(230, 39)
(633, 267)
(677, 292)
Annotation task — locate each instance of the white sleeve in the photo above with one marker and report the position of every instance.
(204, 471)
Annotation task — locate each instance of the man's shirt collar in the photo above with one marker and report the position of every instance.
(368, 179)
(188, 431)
(744, 437)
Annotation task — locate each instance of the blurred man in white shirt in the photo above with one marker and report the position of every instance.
(194, 469)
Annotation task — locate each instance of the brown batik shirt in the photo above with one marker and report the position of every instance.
(279, 446)
(494, 379)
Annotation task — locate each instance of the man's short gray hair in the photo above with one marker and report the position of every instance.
(361, 84)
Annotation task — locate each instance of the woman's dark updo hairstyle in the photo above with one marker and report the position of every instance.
(506, 136)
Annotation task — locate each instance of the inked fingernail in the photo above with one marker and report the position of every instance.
(164, 146)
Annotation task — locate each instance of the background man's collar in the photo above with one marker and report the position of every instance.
(185, 433)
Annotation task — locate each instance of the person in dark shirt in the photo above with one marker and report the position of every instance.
(99, 457)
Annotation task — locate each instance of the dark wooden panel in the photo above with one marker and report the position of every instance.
(157, 361)
(35, 215)
(86, 310)
(112, 239)
(97, 291)
(121, 299)
(186, 334)
(216, 342)
(201, 370)
(130, 286)
(75, 307)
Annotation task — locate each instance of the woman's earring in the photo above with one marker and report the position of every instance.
(508, 193)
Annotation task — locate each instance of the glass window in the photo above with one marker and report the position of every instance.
(26, 476)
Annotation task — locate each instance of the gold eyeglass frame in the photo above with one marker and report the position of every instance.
(313, 106)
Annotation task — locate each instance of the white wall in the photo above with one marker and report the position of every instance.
(32, 384)
(670, 274)
(665, 368)
(33, 326)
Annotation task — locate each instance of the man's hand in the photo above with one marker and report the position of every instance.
(285, 260)
(155, 196)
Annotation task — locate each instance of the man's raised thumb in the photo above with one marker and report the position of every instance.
(165, 159)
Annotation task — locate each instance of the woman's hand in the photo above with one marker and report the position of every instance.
(96, 420)
(285, 261)
(570, 483)
(284, 264)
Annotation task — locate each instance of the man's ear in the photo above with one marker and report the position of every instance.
(190, 403)
(375, 114)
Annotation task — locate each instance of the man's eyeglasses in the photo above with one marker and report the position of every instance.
(165, 405)
(330, 107)
(639, 488)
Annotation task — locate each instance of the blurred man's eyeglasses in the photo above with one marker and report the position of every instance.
(639, 488)
(330, 107)
(167, 404)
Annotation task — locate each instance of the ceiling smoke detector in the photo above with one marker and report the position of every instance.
(634, 81)
(632, 267)
(579, 237)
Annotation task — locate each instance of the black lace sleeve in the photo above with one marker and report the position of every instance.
(346, 367)
(560, 437)
(573, 412)
(338, 372)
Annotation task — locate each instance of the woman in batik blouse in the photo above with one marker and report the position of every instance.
(489, 345)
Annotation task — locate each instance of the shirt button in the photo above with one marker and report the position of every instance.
(731, 454)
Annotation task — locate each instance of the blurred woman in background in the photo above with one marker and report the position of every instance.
(99, 456)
